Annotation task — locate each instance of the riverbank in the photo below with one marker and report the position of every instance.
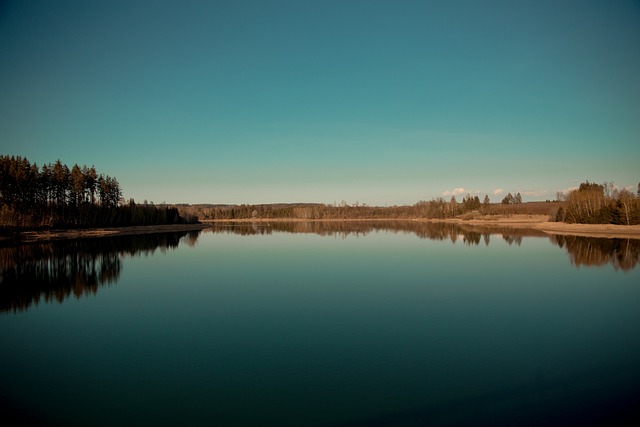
(542, 223)
(49, 235)
(535, 222)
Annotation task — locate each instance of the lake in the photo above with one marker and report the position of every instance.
(321, 324)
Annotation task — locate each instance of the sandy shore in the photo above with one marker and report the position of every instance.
(542, 223)
(43, 236)
(536, 222)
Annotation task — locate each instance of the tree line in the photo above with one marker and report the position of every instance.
(590, 203)
(55, 195)
(438, 208)
(593, 203)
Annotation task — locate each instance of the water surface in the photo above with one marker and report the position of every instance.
(321, 324)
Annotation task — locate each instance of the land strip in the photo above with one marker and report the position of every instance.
(542, 223)
(536, 222)
(49, 235)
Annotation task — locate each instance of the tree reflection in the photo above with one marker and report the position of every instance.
(622, 254)
(470, 234)
(55, 271)
(588, 251)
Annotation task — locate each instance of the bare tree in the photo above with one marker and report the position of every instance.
(626, 199)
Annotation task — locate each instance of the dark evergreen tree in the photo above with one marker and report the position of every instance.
(56, 196)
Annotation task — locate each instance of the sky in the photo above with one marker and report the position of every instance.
(376, 102)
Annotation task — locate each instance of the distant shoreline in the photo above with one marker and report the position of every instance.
(517, 221)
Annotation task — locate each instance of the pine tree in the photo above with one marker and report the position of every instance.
(77, 185)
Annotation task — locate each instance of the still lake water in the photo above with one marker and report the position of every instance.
(316, 324)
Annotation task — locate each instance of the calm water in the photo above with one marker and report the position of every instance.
(348, 324)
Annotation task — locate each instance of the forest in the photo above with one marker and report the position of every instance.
(593, 203)
(438, 208)
(588, 204)
(56, 196)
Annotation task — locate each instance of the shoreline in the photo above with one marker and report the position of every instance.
(89, 233)
(532, 222)
(542, 223)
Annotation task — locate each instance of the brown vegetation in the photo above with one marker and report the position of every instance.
(434, 209)
(55, 196)
(600, 204)
(589, 204)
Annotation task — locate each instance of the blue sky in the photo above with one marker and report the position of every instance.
(379, 102)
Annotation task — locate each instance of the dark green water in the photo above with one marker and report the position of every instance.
(361, 324)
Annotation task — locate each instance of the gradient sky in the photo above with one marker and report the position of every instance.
(380, 102)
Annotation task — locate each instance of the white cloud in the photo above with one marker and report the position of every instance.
(497, 191)
(456, 191)
(567, 190)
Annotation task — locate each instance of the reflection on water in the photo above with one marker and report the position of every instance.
(57, 270)
(622, 254)
(471, 235)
